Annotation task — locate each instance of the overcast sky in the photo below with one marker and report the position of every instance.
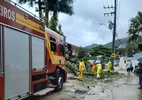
(83, 28)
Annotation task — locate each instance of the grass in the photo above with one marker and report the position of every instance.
(106, 74)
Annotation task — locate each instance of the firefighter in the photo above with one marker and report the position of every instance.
(99, 69)
(93, 68)
(109, 65)
(81, 69)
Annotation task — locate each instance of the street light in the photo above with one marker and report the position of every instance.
(110, 26)
(103, 24)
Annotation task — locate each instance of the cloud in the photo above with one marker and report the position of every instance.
(83, 28)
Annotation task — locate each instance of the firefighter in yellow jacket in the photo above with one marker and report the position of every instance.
(109, 66)
(81, 70)
(99, 69)
(93, 68)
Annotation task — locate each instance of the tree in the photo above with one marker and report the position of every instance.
(82, 52)
(31, 3)
(135, 32)
(61, 32)
(135, 28)
(53, 24)
(61, 6)
(55, 6)
(101, 50)
(121, 51)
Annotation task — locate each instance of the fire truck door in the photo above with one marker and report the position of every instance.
(16, 61)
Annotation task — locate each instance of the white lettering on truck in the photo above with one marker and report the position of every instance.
(7, 13)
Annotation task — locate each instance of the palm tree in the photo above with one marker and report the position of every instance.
(55, 6)
(32, 3)
(63, 6)
(135, 28)
(135, 32)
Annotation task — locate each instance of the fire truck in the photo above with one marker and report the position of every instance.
(32, 57)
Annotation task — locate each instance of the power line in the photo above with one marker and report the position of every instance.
(119, 2)
(119, 40)
(106, 9)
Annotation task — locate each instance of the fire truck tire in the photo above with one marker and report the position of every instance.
(59, 81)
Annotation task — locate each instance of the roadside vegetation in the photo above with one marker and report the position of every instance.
(112, 74)
(104, 74)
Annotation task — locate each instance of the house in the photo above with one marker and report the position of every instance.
(74, 49)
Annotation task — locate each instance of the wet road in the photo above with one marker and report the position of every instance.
(122, 88)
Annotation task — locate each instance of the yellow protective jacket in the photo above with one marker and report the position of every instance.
(109, 66)
(81, 66)
(99, 68)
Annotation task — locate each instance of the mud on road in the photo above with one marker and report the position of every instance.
(122, 87)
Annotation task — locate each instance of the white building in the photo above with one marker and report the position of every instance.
(123, 62)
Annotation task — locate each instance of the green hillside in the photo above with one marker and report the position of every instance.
(91, 46)
(117, 43)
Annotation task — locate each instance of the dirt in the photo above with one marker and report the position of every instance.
(123, 87)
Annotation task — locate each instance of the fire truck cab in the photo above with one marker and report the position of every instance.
(32, 57)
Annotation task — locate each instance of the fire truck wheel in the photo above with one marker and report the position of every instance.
(59, 81)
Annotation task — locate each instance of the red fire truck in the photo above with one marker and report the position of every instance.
(31, 56)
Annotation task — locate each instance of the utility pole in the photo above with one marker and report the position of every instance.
(114, 29)
(114, 33)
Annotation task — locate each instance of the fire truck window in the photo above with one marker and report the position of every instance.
(53, 44)
(62, 49)
(37, 53)
(0, 50)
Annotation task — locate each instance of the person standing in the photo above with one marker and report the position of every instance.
(140, 75)
(109, 65)
(81, 70)
(99, 69)
(131, 67)
(93, 68)
(128, 66)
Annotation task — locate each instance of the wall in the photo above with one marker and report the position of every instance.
(123, 61)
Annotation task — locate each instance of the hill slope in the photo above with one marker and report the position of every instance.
(117, 43)
(91, 46)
